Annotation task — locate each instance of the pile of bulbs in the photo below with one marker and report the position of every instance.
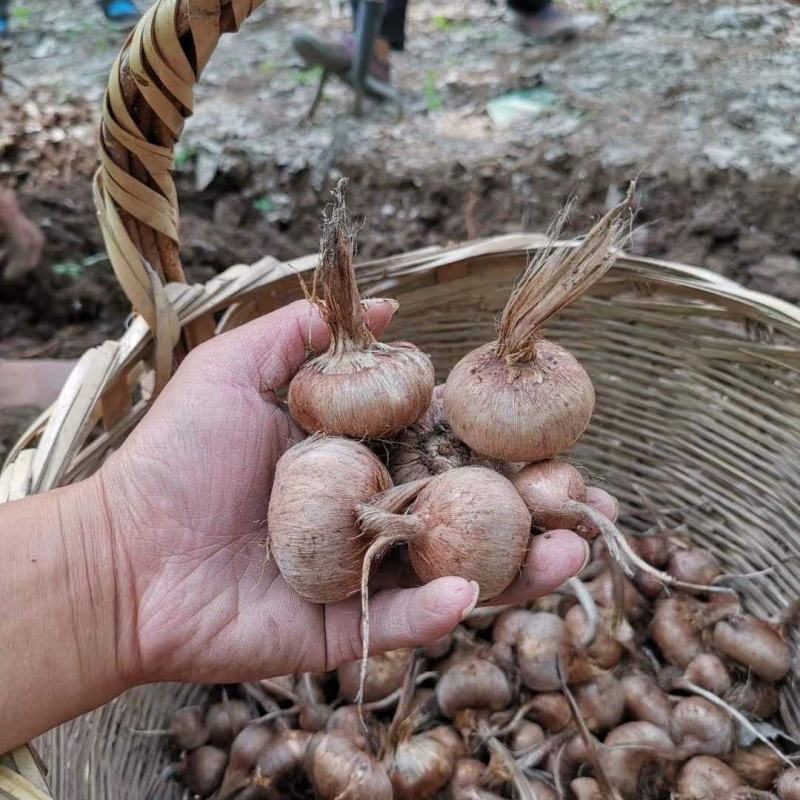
(641, 679)
(559, 700)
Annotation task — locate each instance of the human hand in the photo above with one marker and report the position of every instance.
(187, 499)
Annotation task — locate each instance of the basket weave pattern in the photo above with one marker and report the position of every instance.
(697, 380)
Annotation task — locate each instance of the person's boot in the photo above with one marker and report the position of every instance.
(338, 57)
(551, 23)
(122, 14)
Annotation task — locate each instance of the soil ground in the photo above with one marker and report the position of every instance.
(700, 100)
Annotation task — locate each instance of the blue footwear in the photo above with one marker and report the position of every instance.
(4, 27)
(122, 13)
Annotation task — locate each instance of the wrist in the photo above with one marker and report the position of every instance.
(105, 539)
(63, 650)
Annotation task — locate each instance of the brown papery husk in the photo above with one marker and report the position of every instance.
(706, 778)
(339, 770)
(522, 397)
(312, 518)
(542, 643)
(757, 765)
(314, 712)
(788, 785)
(244, 753)
(384, 675)
(204, 769)
(188, 729)
(708, 671)
(754, 698)
(700, 728)
(586, 789)
(473, 683)
(428, 447)
(602, 702)
(225, 719)
(359, 387)
(674, 628)
(604, 651)
(628, 748)
(550, 490)
(550, 710)
(469, 522)
(284, 755)
(419, 766)
(754, 643)
(645, 701)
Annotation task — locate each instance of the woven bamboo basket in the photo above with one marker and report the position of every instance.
(697, 379)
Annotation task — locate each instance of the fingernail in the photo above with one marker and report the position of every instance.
(476, 590)
(587, 556)
(374, 301)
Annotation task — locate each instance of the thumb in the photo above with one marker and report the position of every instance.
(398, 618)
(269, 350)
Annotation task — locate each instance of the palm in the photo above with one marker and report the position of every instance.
(205, 589)
(195, 477)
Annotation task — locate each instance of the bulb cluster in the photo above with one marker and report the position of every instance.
(639, 681)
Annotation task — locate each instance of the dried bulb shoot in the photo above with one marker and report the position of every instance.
(359, 387)
(522, 397)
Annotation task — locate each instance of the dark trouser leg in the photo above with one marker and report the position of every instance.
(393, 26)
(5, 8)
(529, 6)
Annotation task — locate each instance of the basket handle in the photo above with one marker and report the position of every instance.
(149, 97)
